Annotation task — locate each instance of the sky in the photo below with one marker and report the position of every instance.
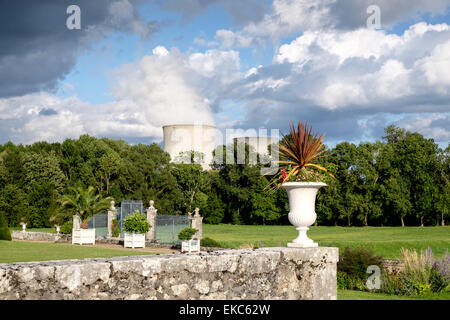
(136, 65)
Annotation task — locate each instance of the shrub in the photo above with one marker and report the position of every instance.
(208, 242)
(187, 233)
(418, 267)
(136, 223)
(66, 228)
(345, 281)
(352, 267)
(393, 284)
(443, 266)
(438, 281)
(423, 274)
(5, 234)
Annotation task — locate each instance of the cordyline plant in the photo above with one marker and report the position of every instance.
(297, 152)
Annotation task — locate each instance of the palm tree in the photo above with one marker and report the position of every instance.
(85, 203)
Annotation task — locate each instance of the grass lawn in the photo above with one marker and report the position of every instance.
(362, 295)
(20, 251)
(384, 241)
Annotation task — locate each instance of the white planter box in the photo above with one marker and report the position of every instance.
(134, 240)
(190, 246)
(83, 236)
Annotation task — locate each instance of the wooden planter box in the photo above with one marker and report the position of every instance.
(190, 246)
(83, 236)
(134, 240)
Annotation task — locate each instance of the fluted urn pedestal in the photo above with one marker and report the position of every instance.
(302, 200)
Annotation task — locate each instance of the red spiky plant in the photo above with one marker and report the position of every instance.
(297, 152)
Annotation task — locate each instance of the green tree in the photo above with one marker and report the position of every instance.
(443, 197)
(190, 178)
(263, 208)
(13, 204)
(42, 177)
(85, 203)
(397, 195)
(416, 159)
(109, 166)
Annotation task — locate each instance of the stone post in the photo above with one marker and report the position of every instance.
(196, 223)
(76, 222)
(112, 212)
(151, 215)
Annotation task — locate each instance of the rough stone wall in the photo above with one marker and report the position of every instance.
(393, 266)
(267, 273)
(40, 236)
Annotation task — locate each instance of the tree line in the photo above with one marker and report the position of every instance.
(403, 179)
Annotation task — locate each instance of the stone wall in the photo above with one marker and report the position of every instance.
(40, 236)
(267, 273)
(393, 266)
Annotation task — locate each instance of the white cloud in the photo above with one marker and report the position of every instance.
(230, 39)
(167, 87)
(291, 17)
(159, 85)
(205, 43)
(433, 125)
(342, 80)
(366, 67)
(362, 43)
(160, 51)
(288, 16)
(213, 62)
(436, 67)
(69, 118)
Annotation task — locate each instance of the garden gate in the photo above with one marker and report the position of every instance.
(167, 227)
(127, 207)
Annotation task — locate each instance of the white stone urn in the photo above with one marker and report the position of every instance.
(302, 200)
(24, 226)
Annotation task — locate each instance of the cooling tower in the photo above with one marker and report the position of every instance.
(187, 137)
(260, 144)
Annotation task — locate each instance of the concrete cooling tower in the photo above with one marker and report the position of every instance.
(259, 143)
(187, 137)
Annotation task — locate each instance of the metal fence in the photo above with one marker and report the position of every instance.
(167, 227)
(127, 207)
(99, 222)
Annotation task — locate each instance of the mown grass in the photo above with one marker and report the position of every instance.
(21, 251)
(384, 241)
(363, 295)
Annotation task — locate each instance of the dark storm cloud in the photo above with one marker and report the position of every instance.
(37, 49)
